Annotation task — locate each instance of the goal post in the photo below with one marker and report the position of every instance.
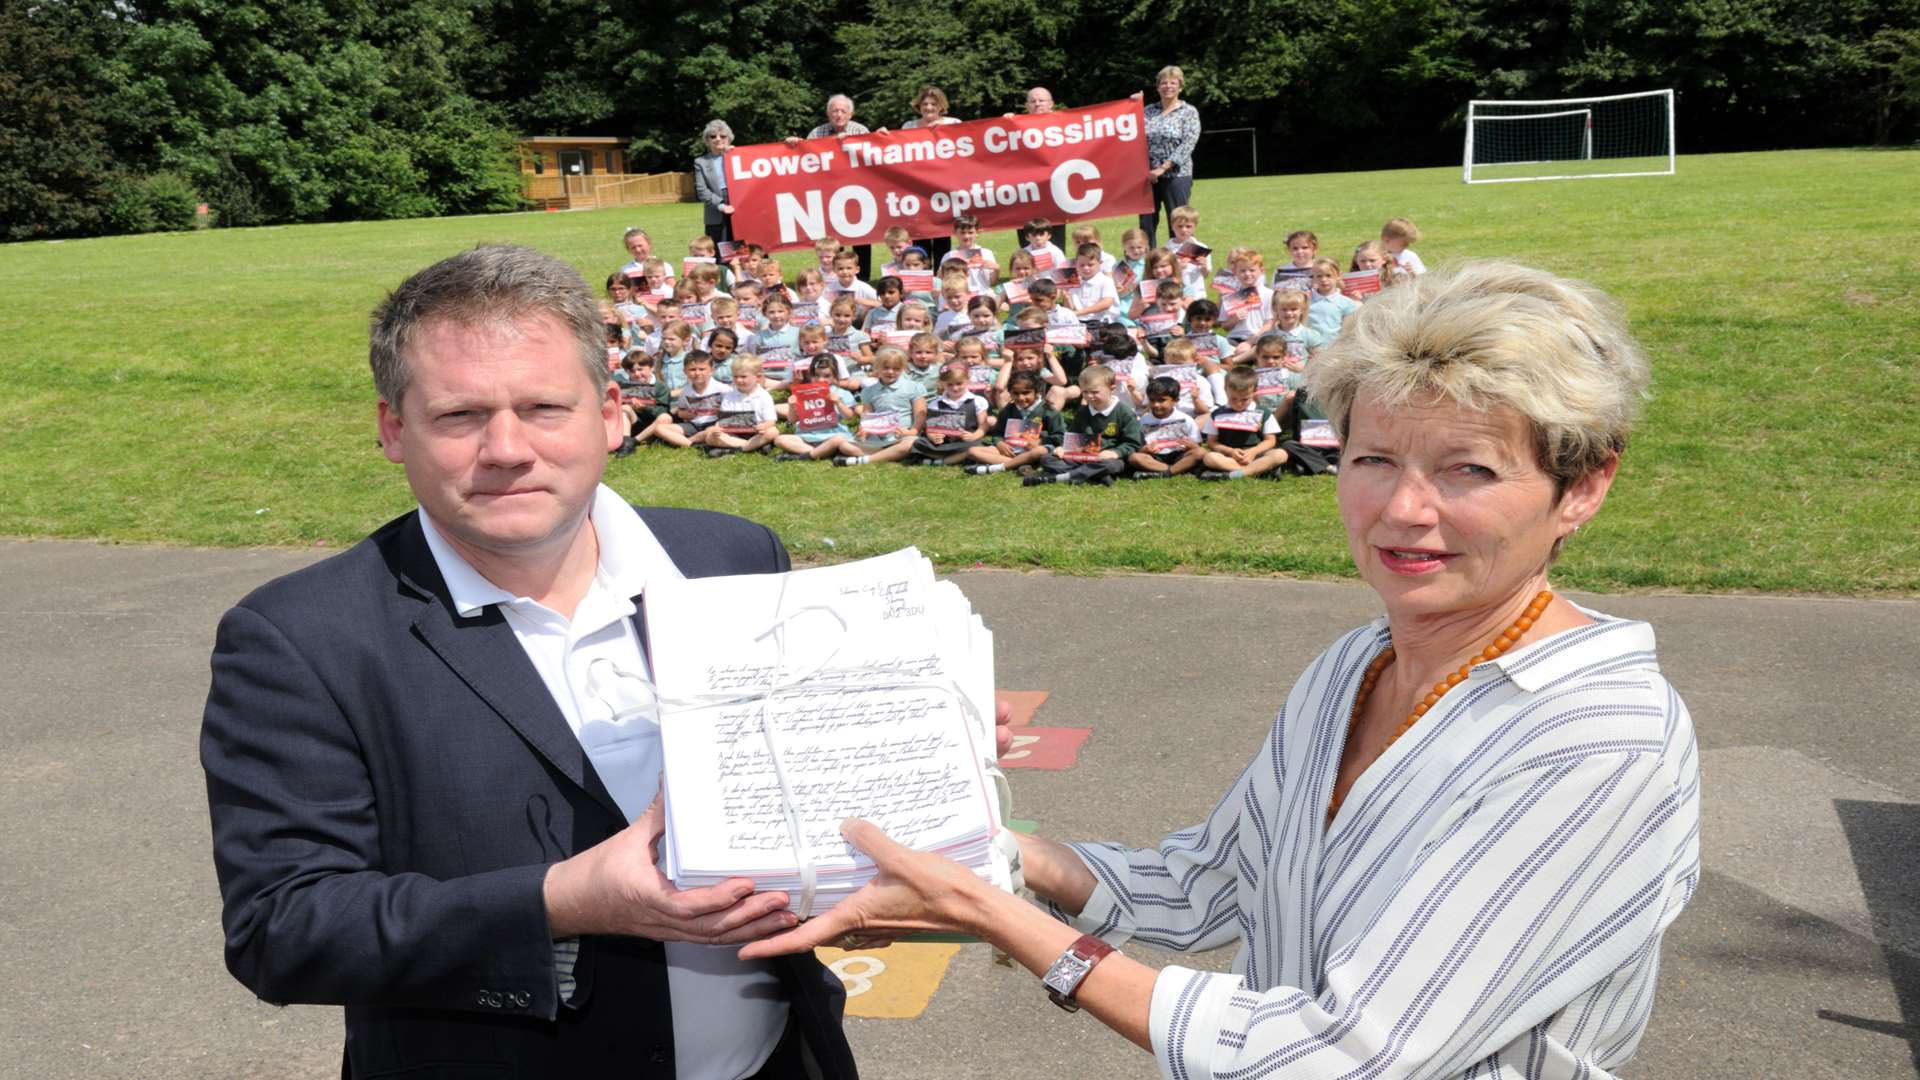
(1569, 138)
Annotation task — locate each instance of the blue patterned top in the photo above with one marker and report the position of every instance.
(1171, 137)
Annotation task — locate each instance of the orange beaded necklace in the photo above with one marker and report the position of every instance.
(1492, 652)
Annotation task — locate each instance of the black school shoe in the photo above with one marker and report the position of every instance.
(1209, 474)
(720, 451)
(1151, 475)
(789, 456)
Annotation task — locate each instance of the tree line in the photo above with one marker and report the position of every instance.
(126, 117)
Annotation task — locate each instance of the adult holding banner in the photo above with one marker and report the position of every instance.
(1173, 129)
(931, 105)
(1089, 162)
(1039, 103)
(710, 181)
(840, 124)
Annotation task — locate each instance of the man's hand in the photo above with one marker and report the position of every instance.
(615, 888)
(1002, 727)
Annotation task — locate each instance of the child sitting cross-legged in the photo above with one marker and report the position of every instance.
(1107, 434)
(819, 419)
(1245, 437)
(746, 420)
(1171, 440)
(1021, 433)
(892, 411)
(695, 404)
(956, 421)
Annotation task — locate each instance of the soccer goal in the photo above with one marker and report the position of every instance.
(1572, 138)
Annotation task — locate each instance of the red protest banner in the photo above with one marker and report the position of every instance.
(1083, 163)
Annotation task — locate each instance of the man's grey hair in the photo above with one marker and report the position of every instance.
(494, 284)
(839, 97)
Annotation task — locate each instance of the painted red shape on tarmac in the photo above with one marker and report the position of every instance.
(1025, 703)
(1045, 748)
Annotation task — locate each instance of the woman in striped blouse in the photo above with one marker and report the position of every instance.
(1473, 819)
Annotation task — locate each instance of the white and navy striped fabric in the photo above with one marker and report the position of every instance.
(1488, 902)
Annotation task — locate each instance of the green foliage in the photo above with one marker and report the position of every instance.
(55, 162)
(158, 202)
(319, 110)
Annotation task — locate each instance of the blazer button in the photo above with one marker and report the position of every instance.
(521, 998)
(660, 1055)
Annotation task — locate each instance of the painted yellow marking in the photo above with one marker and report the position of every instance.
(895, 983)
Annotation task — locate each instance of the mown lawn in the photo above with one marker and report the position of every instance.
(211, 388)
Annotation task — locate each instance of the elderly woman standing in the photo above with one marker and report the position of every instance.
(710, 181)
(1173, 128)
(930, 109)
(1473, 819)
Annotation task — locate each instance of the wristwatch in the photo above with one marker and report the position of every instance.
(1064, 977)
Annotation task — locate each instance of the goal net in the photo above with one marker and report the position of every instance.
(1620, 135)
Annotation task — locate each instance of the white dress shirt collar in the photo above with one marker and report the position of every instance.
(630, 556)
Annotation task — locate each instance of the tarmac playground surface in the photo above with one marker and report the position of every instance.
(1799, 956)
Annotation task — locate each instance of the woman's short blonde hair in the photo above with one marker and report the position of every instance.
(1488, 334)
(1173, 70)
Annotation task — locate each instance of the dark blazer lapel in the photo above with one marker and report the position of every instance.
(486, 656)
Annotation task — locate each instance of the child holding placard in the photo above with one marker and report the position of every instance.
(1177, 362)
(1039, 244)
(1025, 427)
(1245, 436)
(1194, 258)
(778, 343)
(746, 420)
(849, 344)
(1170, 440)
(696, 403)
(1244, 311)
(1013, 292)
(956, 421)
(1028, 353)
(819, 409)
(983, 270)
(1103, 433)
(1302, 247)
(892, 412)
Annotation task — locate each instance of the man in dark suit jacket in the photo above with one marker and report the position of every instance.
(406, 821)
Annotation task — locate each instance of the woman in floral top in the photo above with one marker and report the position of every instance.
(1173, 127)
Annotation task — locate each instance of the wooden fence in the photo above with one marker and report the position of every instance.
(612, 189)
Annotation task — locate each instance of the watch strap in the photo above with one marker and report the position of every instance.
(1063, 979)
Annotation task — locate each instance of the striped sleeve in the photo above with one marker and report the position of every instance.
(1548, 881)
(1181, 895)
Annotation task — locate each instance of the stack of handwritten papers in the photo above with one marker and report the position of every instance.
(790, 702)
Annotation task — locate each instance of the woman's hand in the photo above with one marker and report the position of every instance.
(914, 890)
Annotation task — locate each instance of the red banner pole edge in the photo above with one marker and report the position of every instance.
(1081, 163)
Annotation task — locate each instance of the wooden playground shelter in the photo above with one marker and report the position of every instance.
(585, 172)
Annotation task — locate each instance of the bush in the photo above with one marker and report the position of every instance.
(160, 202)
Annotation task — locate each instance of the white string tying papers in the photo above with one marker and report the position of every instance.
(782, 683)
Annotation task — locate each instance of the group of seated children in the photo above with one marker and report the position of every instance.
(1071, 370)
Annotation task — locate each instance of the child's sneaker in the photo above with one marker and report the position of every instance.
(1210, 474)
(789, 456)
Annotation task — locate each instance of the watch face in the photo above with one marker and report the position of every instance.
(1065, 974)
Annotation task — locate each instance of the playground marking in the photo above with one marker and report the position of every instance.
(894, 983)
(1052, 748)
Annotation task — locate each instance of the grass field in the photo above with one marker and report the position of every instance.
(211, 388)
